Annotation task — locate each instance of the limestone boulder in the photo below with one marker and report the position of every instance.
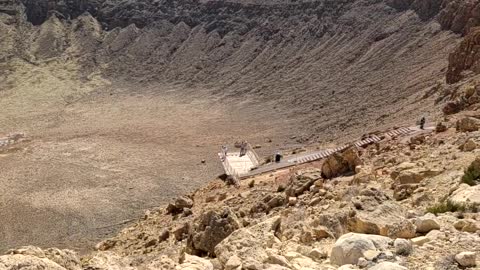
(467, 225)
(386, 219)
(249, 244)
(302, 181)
(211, 227)
(352, 246)
(466, 259)
(414, 175)
(341, 162)
(468, 124)
(469, 145)
(426, 223)
(466, 194)
(403, 246)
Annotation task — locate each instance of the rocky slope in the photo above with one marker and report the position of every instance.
(312, 59)
(406, 205)
(317, 64)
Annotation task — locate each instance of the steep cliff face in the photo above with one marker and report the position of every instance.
(312, 58)
(466, 57)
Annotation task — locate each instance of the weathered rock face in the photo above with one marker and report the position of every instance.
(465, 57)
(468, 124)
(340, 163)
(211, 228)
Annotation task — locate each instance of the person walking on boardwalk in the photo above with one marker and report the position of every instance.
(422, 123)
(224, 152)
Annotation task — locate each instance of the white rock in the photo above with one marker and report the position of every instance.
(466, 259)
(351, 246)
(466, 194)
(419, 241)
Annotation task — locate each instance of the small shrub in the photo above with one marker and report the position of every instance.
(251, 184)
(447, 206)
(471, 176)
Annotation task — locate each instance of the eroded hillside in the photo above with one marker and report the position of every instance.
(121, 100)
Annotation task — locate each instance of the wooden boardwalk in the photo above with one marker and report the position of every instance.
(248, 165)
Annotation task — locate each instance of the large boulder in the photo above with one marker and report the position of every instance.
(341, 162)
(386, 219)
(249, 244)
(301, 182)
(413, 176)
(466, 259)
(466, 194)
(352, 246)
(468, 124)
(211, 227)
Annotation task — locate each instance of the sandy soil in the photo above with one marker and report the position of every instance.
(104, 154)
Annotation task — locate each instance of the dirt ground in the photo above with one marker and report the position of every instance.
(102, 156)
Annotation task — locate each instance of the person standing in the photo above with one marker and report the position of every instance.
(422, 123)
(224, 152)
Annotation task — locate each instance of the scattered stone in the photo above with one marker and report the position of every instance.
(419, 241)
(466, 259)
(403, 246)
(440, 127)
(301, 182)
(292, 201)
(426, 223)
(468, 124)
(467, 225)
(469, 145)
(179, 204)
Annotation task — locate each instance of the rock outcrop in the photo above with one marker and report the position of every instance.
(341, 163)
